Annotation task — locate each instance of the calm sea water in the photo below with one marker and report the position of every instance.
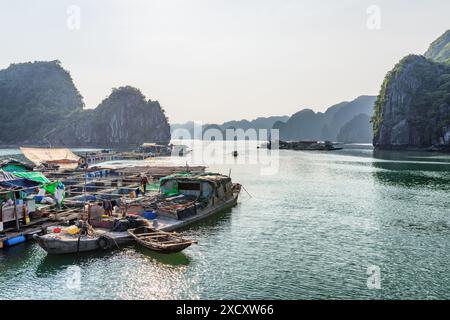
(310, 231)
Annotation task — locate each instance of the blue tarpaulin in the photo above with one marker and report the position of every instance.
(10, 181)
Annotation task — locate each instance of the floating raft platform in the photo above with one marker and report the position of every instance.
(92, 184)
(305, 145)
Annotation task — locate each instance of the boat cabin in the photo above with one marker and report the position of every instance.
(203, 186)
(185, 194)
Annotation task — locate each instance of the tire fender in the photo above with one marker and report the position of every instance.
(104, 243)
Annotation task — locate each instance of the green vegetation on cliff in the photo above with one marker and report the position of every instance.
(382, 98)
(412, 109)
(34, 97)
(40, 105)
(439, 50)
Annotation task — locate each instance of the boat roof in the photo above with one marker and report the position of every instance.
(20, 180)
(40, 155)
(15, 164)
(190, 177)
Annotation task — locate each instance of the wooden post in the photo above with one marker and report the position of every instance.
(84, 189)
(15, 211)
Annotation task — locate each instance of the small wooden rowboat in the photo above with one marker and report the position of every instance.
(160, 241)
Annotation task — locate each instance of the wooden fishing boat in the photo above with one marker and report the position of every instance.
(214, 193)
(56, 244)
(159, 241)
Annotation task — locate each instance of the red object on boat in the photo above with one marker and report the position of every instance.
(57, 230)
(133, 215)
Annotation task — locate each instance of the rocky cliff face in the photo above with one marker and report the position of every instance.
(42, 106)
(412, 110)
(123, 119)
(303, 125)
(34, 97)
(357, 130)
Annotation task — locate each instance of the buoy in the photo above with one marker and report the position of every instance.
(13, 241)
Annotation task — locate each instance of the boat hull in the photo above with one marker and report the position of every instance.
(57, 246)
(204, 214)
(165, 250)
(159, 241)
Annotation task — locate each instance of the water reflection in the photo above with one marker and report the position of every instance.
(412, 166)
(209, 224)
(432, 227)
(415, 156)
(411, 179)
(412, 169)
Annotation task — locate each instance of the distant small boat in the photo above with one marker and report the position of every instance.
(159, 241)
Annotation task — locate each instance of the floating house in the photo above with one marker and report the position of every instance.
(154, 149)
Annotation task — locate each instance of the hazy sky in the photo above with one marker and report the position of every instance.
(217, 60)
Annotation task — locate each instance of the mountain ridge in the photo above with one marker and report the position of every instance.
(195, 131)
(309, 125)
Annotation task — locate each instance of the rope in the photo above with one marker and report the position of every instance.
(246, 191)
(78, 243)
(111, 238)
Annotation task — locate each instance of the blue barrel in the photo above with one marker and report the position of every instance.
(13, 241)
(150, 215)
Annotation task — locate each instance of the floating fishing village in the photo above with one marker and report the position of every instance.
(68, 204)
